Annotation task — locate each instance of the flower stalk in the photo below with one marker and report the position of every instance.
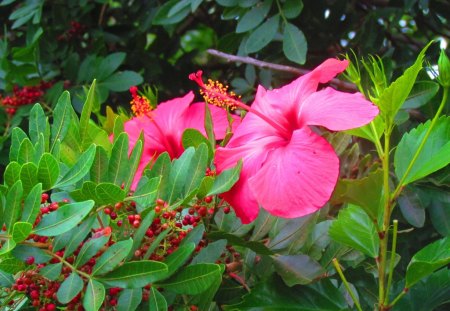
(346, 284)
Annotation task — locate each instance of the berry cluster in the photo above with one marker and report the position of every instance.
(24, 96)
(75, 31)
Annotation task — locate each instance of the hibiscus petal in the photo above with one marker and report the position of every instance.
(169, 115)
(336, 110)
(195, 118)
(297, 179)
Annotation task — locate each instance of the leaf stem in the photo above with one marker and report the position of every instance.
(392, 261)
(399, 296)
(85, 275)
(421, 146)
(347, 286)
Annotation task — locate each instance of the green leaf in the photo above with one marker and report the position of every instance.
(109, 193)
(13, 204)
(427, 294)
(135, 274)
(23, 252)
(273, 295)
(38, 123)
(94, 295)
(297, 269)
(440, 211)
(129, 299)
(12, 265)
(26, 152)
(21, 231)
(62, 115)
(226, 180)
(393, 97)
(122, 81)
(28, 176)
(355, 229)
(140, 233)
(193, 138)
(109, 64)
(262, 35)
(294, 44)
(253, 17)
(209, 126)
(210, 253)
(133, 163)
(178, 258)
(64, 218)
(17, 137)
(112, 257)
(162, 15)
(178, 175)
(193, 279)
(145, 193)
(7, 280)
(89, 249)
(157, 302)
(12, 173)
(71, 286)
(430, 258)
(412, 206)
(292, 8)
(8, 245)
(51, 271)
(99, 168)
(434, 155)
(48, 171)
(32, 204)
(76, 236)
(79, 170)
(118, 163)
(196, 170)
(86, 113)
(421, 93)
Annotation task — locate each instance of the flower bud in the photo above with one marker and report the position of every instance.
(444, 69)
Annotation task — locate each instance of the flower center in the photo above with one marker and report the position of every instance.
(215, 93)
(140, 105)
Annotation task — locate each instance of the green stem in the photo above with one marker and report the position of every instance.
(421, 146)
(347, 286)
(281, 12)
(399, 296)
(392, 262)
(85, 275)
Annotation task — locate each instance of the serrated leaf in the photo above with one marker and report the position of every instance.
(193, 279)
(94, 295)
(63, 219)
(79, 170)
(71, 286)
(262, 35)
(31, 207)
(294, 44)
(421, 93)
(157, 302)
(13, 202)
(354, 228)
(135, 274)
(225, 180)
(427, 260)
(62, 115)
(48, 171)
(21, 230)
(129, 299)
(434, 155)
(89, 249)
(109, 193)
(112, 257)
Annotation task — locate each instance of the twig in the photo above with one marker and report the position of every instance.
(262, 64)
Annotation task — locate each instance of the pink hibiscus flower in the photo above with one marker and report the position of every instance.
(164, 127)
(288, 169)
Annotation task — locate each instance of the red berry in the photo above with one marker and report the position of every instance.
(50, 307)
(107, 211)
(29, 260)
(44, 197)
(226, 210)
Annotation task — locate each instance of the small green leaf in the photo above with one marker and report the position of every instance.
(412, 206)
(71, 286)
(226, 180)
(14, 204)
(89, 249)
(145, 193)
(48, 171)
(122, 81)
(12, 173)
(112, 257)
(28, 176)
(178, 258)
(26, 152)
(133, 163)
(253, 17)
(99, 168)
(62, 115)
(17, 137)
(157, 302)
(79, 170)
(135, 274)
(23, 252)
(194, 279)
(12, 265)
(196, 170)
(178, 175)
(129, 299)
(140, 233)
(294, 44)
(109, 64)
(86, 113)
(75, 236)
(31, 207)
(292, 8)
(94, 295)
(109, 193)
(355, 229)
(118, 163)
(255, 246)
(210, 253)
(262, 35)
(7, 280)
(51, 271)
(37, 123)
(193, 138)
(427, 260)
(434, 155)
(21, 230)
(64, 218)
(297, 269)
